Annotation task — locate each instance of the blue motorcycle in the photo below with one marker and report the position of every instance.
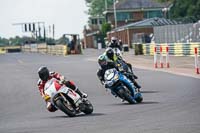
(121, 86)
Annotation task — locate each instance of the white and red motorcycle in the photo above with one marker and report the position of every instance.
(66, 99)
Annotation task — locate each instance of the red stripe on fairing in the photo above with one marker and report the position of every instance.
(72, 92)
(57, 85)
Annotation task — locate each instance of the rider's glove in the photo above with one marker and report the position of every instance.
(84, 95)
(46, 97)
(62, 80)
(102, 82)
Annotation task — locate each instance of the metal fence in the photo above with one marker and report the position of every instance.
(179, 33)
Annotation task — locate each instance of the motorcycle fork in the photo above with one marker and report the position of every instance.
(63, 97)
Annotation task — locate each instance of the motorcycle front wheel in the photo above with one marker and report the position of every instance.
(65, 107)
(126, 94)
(88, 107)
(138, 97)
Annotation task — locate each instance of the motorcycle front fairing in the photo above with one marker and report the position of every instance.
(114, 80)
(127, 82)
(53, 88)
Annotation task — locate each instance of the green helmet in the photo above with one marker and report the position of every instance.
(102, 60)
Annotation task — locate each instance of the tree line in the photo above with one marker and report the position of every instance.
(180, 8)
(16, 41)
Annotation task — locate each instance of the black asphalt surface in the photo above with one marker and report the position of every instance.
(171, 102)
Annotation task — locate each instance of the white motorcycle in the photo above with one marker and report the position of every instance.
(66, 99)
(118, 52)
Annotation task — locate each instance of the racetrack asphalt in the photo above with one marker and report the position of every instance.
(171, 102)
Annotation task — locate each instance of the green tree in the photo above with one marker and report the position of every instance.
(105, 28)
(4, 41)
(189, 10)
(185, 10)
(97, 7)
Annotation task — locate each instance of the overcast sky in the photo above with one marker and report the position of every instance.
(68, 15)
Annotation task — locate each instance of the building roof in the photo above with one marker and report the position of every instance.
(147, 23)
(138, 4)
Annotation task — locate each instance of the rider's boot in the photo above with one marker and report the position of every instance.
(135, 77)
(136, 84)
(82, 94)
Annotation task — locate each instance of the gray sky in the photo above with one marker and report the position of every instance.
(68, 15)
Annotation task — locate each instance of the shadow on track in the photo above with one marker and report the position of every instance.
(78, 115)
(125, 103)
(148, 102)
(149, 91)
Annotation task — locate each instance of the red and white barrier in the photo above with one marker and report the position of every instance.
(167, 56)
(196, 60)
(155, 57)
(161, 57)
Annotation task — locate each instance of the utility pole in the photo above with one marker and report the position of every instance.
(53, 31)
(106, 5)
(115, 13)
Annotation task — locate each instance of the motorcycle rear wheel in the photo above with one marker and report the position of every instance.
(63, 106)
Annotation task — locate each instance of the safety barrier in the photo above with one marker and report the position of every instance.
(175, 49)
(155, 58)
(2, 50)
(57, 49)
(45, 49)
(10, 49)
(196, 60)
(161, 51)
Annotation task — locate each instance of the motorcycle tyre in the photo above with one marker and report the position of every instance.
(60, 104)
(88, 107)
(139, 98)
(127, 96)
